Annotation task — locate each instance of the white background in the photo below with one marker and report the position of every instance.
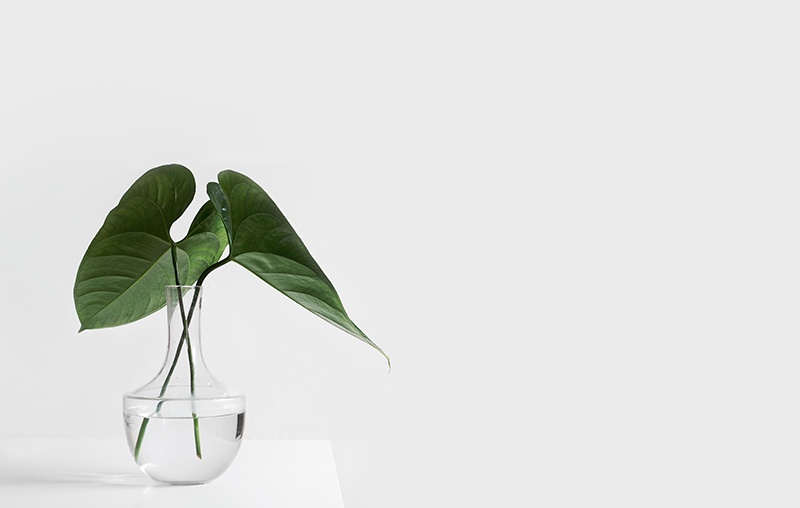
(572, 225)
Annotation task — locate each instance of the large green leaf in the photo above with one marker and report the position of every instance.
(221, 204)
(122, 275)
(264, 242)
(170, 187)
(205, 242)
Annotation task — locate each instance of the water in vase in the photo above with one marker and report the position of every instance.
(168, 452)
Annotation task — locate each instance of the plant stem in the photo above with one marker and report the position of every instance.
(139, 439)
(209, 270)
(184, 337)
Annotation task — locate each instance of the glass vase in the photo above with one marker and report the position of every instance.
(184, 426)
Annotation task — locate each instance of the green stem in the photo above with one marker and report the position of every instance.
(139, 439)
(197, 436)
(184, 338)
(209, 270)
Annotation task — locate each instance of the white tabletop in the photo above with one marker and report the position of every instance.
(101, 473)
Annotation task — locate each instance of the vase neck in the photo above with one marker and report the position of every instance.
(184, 304)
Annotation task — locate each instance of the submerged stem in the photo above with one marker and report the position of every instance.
(184, 338)
(139, 439)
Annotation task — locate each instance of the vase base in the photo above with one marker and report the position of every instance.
(169, 451)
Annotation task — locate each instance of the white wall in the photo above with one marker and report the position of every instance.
(572, 225)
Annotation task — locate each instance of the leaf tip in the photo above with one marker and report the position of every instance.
(388, 360)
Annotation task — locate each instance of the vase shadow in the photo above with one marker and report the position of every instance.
(76, 478)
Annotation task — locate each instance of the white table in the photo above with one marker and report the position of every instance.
(92, 473)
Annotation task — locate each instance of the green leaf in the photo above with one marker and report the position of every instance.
(170, 187)
(221, 204)
(205, 242)
(122, 276)
(264, 242)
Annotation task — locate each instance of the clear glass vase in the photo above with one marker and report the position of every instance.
(184, 426)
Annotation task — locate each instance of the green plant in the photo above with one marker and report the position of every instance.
(122, 276)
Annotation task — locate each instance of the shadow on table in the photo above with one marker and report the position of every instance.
(77, 478)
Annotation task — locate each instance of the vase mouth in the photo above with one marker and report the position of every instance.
(182, 286)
